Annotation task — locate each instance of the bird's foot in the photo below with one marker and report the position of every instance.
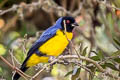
(64, 62)
(51, 58)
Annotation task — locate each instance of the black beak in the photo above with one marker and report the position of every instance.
(75, 24)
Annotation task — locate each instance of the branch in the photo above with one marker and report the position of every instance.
(76, 57)
(91, 61)
(15, 68)
(46, 5)
(52, 62)
(39, 4)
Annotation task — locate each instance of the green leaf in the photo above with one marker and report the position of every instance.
(100, 54)
(115, 54)
(112, 66)
(84, 51)
(75, 73)
(103, 66)
(116, 41)
(79, 79)
(92, 68)
(70, 72)
(117, 60)
(94, 52)
(96, 58)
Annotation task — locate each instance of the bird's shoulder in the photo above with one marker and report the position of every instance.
(46, 35)
(50, 32)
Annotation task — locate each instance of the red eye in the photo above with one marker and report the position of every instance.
(67, 21)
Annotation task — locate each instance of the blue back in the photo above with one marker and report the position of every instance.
(46, 35)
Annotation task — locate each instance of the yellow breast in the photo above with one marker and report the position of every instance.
(56, 45)
(53, 47)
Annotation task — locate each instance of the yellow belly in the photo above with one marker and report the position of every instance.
(35, 59)
(53, 47)
(56, 45)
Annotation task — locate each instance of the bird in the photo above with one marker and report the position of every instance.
(52, 42)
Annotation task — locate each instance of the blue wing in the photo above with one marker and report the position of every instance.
(49, 33)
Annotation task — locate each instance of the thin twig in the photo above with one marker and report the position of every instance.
(14, 58)
(91, 61)
(52, 62)
(70, 40)
(13, 62)
(88, 59)
(24, 44)
(38, 4)
(15, 68)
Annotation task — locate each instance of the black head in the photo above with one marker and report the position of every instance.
(70, 23)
